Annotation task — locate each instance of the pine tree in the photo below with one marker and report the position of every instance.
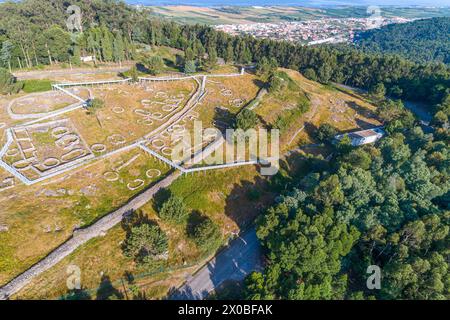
(190, 66)
(106, 44)
(229, 55)
(211, 62)
(6, 53)
(118, 49)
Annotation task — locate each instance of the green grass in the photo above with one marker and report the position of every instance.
(43, 137)
(290, 92)
(7, 258)
(31, 86)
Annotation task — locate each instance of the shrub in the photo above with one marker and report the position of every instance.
(276, 83)
(206, 235)
(134, 74)
(174, 210)
(247, 119)
(95, 104)
(190, 66)
(326, 133)
(8, 83)
(310, 74)
(145, 242)
(154, 64)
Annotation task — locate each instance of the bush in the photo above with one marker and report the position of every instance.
(326, 133)
(8, 83)
(280, 123)
(247, 119)
(310, 74)
(154, 64)
(134, 74)
(276, 83)
(174, 210)
(95, 104)
(207, 235)
(145, 242)
(377, 91)
(190, 67)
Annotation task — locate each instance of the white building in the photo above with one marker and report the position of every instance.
(360, 138)
(87, 58)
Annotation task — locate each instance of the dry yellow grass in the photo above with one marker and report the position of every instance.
(41, 217)
(38, 226)
(219, 195)
(328, 105)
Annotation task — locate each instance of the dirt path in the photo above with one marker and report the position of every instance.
(43, 74)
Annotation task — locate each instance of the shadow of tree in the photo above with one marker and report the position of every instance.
(245, 202)
(364, 124)
(223, 119)
(77, 294)
(132, 219)
(136, 292)
(259, 83)
(194, 219)
(228, 290)
(360, 109)
(160, 197)
(141, 68)
(311, 130)
(353, 95)
(169, 63)
(231, 265)
(106, 290)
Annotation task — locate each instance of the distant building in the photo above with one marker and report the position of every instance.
(87, 58)
(360, 138)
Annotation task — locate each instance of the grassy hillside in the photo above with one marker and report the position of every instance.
(231, 198)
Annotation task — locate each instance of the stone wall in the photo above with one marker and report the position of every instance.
(82, 236)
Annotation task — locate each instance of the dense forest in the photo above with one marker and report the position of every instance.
(384, 205)
(34, 32)
(425, 40)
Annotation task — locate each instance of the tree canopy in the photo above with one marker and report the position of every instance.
(384, 205)
(427, 40)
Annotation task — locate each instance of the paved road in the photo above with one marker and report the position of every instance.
(419, 109)
(234, 263)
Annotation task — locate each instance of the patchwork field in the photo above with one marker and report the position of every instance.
(271, 14)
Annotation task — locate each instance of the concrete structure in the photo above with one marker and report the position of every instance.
(360, 138)
(87, 58)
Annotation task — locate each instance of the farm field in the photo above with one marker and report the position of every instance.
(273, 14)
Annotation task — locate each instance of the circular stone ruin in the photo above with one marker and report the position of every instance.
(153, 173)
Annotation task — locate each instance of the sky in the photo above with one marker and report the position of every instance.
(295, 2)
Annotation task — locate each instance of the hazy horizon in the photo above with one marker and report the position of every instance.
(305, 3)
